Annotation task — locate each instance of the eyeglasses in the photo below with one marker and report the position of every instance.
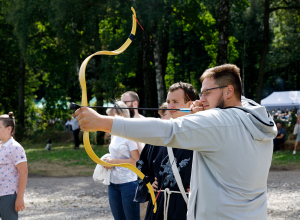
(206, 92)
(127, 101)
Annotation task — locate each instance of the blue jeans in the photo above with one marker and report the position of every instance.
(121, 201)
(7, 207)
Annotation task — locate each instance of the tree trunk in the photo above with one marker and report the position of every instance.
(243, 63)
(99, 89)
(164, 54)
(146, 69)
(99, 96)
(243, 71)
(21, 108)
(264, 52)
(139, 80)
(298, 78)
(161, 93)
(165, 43)
(149, 83)
(223, 32)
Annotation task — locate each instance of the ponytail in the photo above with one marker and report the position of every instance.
(8, 120)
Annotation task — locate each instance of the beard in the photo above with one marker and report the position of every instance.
(221, 102)
(131, 111)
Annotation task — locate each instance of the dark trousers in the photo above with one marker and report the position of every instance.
(76, 137)
(276, 144)
(68, 127)
(7, 207)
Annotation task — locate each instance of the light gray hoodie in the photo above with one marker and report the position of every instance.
(232, 157)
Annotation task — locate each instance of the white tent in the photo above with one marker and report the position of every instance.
(282, 100)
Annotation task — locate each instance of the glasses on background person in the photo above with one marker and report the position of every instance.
(127, 101)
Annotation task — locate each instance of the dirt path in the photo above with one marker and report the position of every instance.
(49, 198)
(284, 195)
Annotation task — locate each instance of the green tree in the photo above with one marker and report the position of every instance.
(9, 65)
(269, 7)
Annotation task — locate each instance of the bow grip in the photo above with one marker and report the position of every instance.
(74, 106)
(146, 180)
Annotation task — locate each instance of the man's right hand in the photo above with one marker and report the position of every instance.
(155, 185)
(197, 106)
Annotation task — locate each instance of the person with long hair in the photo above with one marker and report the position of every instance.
(13, 167)
(123, 182)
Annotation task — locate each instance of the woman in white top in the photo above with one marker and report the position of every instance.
(298, 135)
(123, 182)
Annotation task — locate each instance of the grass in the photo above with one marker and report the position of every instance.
(62, 152)
(62, 160)
(285, 160)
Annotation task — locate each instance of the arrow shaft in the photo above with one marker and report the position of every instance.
(134, 108)
(74, 106)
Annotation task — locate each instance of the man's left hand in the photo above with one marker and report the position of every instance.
(88, 119)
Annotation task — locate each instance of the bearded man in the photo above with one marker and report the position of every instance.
(132, 100)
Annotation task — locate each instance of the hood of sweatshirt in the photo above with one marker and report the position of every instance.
(256, 119)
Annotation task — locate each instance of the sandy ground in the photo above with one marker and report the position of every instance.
(54, 198)
(49, 198)
(284, 195)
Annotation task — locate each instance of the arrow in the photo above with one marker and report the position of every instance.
(74, 106)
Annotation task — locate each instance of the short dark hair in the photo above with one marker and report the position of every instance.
(133, 95)
(190, 92)
(225, 75)
(8, 120)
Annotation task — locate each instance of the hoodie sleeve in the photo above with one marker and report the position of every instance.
(203, 131)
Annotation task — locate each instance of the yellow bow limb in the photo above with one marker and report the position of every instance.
(86, 140)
